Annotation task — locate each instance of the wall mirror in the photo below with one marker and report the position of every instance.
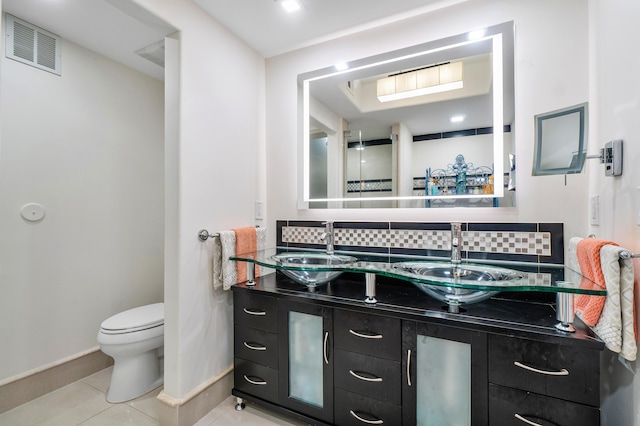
(425, 126)
(561, 141)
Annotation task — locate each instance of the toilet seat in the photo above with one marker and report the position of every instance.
(136, 319)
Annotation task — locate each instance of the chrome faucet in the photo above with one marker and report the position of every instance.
(327, 235)
(456, 243)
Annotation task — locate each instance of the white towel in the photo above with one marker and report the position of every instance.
(229, 271)
(261, 244)
(616, 324)
(218, 279)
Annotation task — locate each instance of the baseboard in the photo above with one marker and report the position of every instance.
(25, 389)
(187, 411)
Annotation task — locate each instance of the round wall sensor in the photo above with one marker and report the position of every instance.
(32, 212)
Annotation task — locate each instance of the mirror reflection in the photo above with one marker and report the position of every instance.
(375, 133)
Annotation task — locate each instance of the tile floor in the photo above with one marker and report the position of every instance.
(84, 403)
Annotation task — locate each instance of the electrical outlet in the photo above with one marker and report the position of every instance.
(259, 210)
(594, 210)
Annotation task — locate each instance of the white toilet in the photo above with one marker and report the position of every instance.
(135, 340)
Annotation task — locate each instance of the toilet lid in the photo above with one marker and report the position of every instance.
(140, 318)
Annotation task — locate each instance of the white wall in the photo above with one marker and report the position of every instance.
(88, 146)
(215, 177)
(547, 78)
(614, 110)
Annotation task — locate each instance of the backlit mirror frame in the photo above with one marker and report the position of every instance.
(502, 38)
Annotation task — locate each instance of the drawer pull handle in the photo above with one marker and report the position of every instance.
(529, 422)
(366, 379)
(409, 367)
(254, 382)
(562, 372)
(366, 336)
(324, 351)
(250, 312)
(369, 422)
(255, 348)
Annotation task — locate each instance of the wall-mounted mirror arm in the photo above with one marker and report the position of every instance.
(611, 157)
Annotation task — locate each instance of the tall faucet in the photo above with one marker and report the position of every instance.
(327, 235)
(456, 243)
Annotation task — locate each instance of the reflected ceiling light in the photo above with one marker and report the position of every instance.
(425, 81)
(457, 119)
(477, 34)
(290, 5)
(341, 66)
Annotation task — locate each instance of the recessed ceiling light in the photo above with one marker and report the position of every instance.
(457, 118)
(341, 66)
(290, 5)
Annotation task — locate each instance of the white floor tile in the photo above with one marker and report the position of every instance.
(120, 414)
(66, 406)
(84, 403)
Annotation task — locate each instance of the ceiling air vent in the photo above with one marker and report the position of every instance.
(32, 45)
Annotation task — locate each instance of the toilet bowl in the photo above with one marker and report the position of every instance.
(134, 339)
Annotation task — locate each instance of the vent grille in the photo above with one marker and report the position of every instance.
(32, 45)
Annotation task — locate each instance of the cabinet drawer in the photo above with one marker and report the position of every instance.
(255, 311)
(507, 403)
(559, 371)
(357, 410)
(367, 375)
(366, 333)
(256, 379)
(256, 345)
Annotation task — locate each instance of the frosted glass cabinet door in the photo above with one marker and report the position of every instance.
(306, 364)
(445, 376)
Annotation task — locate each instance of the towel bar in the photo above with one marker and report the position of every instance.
(203, 234)
(625, 254)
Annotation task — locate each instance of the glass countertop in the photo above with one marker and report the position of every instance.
(520, 277)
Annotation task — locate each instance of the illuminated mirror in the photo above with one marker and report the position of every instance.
(377, 133)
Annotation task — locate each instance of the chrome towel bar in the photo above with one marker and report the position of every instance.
(203, 234)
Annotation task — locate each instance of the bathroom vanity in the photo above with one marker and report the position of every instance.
(328, 354)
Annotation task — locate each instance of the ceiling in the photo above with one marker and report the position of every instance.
(265, 26)
(118, 28)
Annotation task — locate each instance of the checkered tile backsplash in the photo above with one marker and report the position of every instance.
(507, 242)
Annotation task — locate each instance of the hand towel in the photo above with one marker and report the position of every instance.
(261, 244)
(589, 307)
(246, 242)
(229, 272)
(218, 278)
(616, 326)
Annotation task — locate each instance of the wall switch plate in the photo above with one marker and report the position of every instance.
(594, 210)
(259, 210)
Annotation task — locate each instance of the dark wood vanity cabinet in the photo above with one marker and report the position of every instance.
(542, 383)
(353, 364)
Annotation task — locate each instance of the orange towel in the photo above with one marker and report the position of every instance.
(588, 252)
(246, 242)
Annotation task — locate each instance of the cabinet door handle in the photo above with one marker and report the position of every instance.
(409, 367)
(254, 382)
(529, 422)
(366, 336)
(326, 340)
(369, 422)
(250, 312)
(562, 372)
(255, 348)
(366, 379)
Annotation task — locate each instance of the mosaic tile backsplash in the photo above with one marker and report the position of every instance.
(528, 242)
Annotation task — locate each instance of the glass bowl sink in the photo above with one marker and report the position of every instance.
(462, 279)
(312, 269)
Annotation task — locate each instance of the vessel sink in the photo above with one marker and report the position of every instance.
(462, 279)
(312, 269)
